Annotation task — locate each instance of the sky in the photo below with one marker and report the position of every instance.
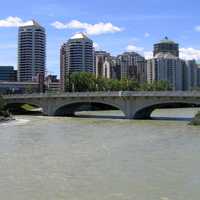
(114, 25)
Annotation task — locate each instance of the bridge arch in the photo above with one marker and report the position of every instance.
(23, 107)
(69, 108)
(145, 111)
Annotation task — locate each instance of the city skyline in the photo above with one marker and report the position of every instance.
(113, 32)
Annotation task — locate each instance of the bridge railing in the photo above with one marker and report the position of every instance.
(110, 94)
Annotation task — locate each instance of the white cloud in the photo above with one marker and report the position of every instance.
(185, 53)
(90, 29)
(190, 53)
(197, 28)
(134, 48)
(148, 54)
(147, 34)
(13, 22)
(140, 50)
(96, 46)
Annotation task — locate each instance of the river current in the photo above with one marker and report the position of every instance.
(101, 158)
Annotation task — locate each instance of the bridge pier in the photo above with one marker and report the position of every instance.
(130, 107)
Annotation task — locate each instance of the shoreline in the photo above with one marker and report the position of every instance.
(6, 119)
(196, 120)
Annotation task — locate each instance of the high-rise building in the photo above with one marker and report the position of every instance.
(166, 46)
(100, 58)
(166, 65)
(64, 72)
(133, 66)
(7, 73)
(77, 55)
(116, 68)
(190, 80)
(31, 52)
(198, 76)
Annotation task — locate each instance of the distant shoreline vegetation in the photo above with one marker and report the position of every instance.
(87, 82)
(196, 120)
(4, 114)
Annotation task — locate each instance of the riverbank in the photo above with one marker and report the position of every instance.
(6, 119)
(196, 120)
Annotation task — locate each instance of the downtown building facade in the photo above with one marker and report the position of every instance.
(7, 73)
(129, 65)
(31, 52)
(132, 66)
(76, 55)
(191, 75)
(105, 65)
(167, 66)
(198, 75)
(164, 66)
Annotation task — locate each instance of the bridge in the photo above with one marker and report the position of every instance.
(134, 105)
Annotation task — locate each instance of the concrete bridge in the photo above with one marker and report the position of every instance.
(134, 105)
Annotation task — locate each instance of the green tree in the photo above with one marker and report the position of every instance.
(133, 85)
(83, 82)
(124, 84)
(87, 82)
(161, 86)
(114, 85)
(155, 86)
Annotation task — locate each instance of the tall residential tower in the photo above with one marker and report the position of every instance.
(31, 52)
(166, 64)
(77, 55)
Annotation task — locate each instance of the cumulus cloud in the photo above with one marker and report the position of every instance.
(148, 54)
(134, 48)
(190, 53)
(96, 46)
(185, 53)
(197, 28)
(140, 50)
(90, 29)
(13, 22)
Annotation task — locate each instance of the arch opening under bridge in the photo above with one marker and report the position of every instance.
(76, 109)
(146, 111)
(24, 108)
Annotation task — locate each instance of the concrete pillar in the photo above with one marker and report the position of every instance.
(129, 108)
(48, 109)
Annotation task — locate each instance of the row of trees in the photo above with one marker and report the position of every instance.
(87, 82)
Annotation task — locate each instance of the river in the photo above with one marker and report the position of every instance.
(98, 158)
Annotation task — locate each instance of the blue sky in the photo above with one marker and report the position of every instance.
(133, 25)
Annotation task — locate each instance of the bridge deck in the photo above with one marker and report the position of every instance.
(106, 94)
